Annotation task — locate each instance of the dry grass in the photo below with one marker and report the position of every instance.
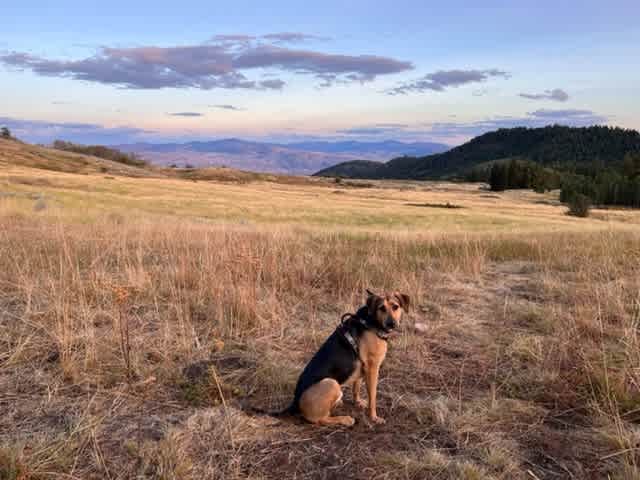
(395, 207)
(132, 339)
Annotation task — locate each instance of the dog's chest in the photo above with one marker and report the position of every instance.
(373, 349)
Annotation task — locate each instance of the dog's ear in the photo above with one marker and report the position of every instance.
(404, 300)
(372, 302)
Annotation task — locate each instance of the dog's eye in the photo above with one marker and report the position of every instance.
(394, 308)
(383, 308)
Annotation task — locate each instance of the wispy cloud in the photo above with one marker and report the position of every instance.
(227, 107)
(569, 115)
(443, 79)
(45, 132)
(293, 37)
(278, 37)
(538, 118)
(557, 94)
(185, 114)
(275, 84)
(451, 132)
(369, 131)
(457, 131)
(223, 63)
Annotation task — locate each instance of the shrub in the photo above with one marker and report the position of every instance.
(579, 205)
(101, 151)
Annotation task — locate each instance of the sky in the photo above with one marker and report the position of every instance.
(122, 72)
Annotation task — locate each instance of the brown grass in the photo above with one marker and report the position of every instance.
(131, 345)
(531, 363)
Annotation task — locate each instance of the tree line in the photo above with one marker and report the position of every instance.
(607, 187)
(101, 151)
(516, 174)
(616, 185)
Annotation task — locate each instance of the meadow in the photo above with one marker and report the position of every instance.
(140, 317)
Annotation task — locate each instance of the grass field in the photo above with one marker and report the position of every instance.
(141, 313)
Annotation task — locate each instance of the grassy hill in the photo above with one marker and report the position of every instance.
(553, 146)
(17, 153)
(14, 153)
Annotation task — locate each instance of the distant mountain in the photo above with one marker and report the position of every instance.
(299, 158)
(376, 148)
(567, 148)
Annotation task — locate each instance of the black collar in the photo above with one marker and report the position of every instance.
(380, 333)
(363, 320)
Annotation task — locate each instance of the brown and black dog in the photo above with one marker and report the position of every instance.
(353, 352)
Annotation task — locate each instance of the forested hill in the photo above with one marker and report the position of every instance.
(567, 148)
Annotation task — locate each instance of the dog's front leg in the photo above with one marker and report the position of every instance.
(357, 384)
(371, 377)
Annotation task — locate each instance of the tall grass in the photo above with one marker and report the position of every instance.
(106, 306)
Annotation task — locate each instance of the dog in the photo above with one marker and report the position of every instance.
(353, 352)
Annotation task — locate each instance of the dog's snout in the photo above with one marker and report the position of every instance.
(390, 323)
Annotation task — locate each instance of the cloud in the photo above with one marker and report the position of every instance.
(275, 84)
(367, 131)
(234, 38)
(292, 37)
(538, 118)
(457, 132)
(391, 125)
(88, 133)
(569, 114)
(223, 63)
(186, 114)
(443, 79)
(227, 107)
(278, 37)
(480, 92)
(557, 94)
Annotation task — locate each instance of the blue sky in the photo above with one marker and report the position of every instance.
(120, 72)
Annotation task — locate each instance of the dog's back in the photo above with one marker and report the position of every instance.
(335, 359)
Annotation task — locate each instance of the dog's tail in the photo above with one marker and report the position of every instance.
(290, 410)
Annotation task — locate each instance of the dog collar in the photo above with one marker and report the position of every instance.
(380, 333)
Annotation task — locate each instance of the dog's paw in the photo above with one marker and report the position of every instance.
(349, 421)
(378, 420)
(361, 403)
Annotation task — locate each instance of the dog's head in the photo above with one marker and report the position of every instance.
(386, 309)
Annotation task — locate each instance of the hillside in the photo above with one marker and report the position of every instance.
(17, 153)
(553, 146)
(17, 156)
(302, 158)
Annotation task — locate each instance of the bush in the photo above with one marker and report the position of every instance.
(102, 152)
(5, 133)
(579, 205)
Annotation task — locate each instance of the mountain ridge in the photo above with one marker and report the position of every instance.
(292, 158)
(553, 146)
